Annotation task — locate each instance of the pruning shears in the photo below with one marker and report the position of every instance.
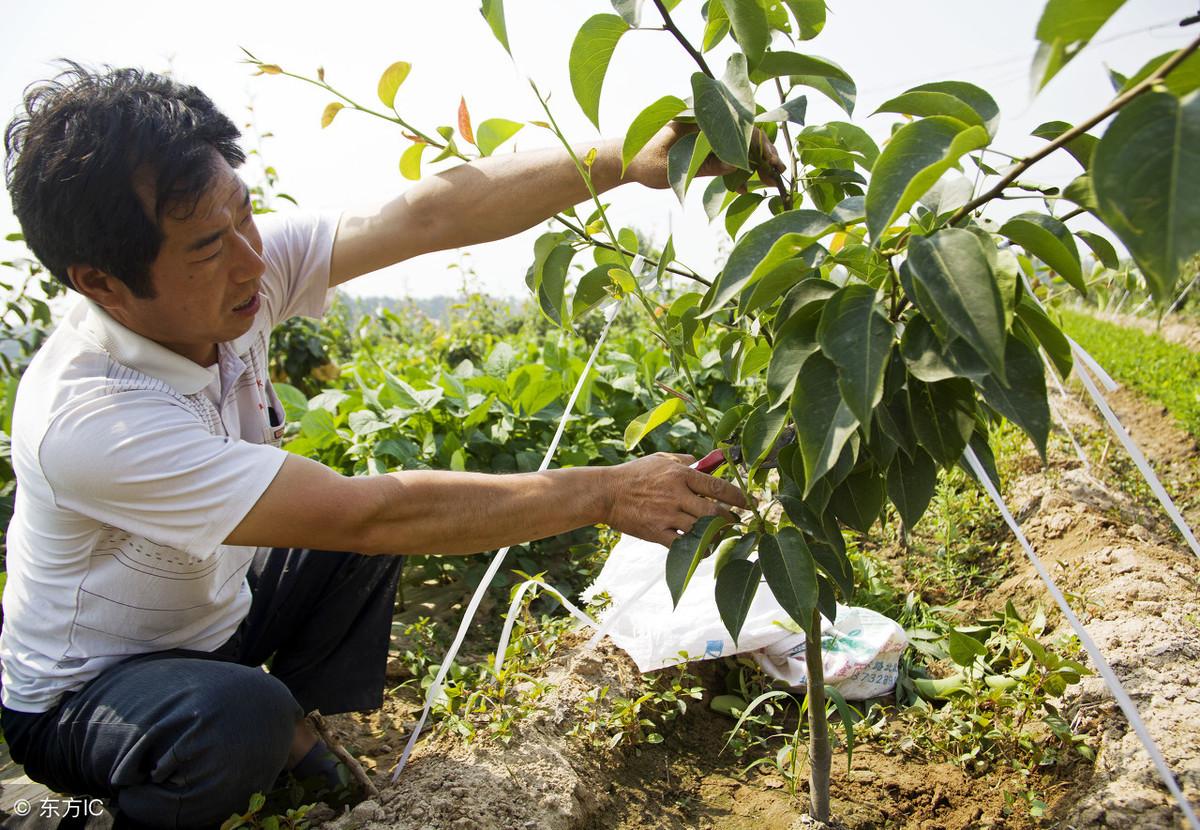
(734, 454)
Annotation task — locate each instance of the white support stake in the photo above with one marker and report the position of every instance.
(1089, 645)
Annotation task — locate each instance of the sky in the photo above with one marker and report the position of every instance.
(887, 48)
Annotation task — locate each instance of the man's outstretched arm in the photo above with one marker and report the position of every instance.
(432, 511)
(490, 198)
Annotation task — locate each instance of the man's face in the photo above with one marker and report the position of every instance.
(206, 275)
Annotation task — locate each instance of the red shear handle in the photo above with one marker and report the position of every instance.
(711, 461)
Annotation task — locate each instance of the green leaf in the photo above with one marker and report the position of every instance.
(958, 99)
(687, 551)
(1049, 240)
(953, 269)
(858, 500)
(293, 400)
(823, 420)
(493, 132)
(1146, 176)
(716, 25)
(722, 120)
(390, 81)
(846, 713)
(1101, 248)
(736, 586)
(1023, 399)
(763, 248)
(591, 290)
(630, 11)
(552, 284)
(791, 574)
(1080, 147)
(1064, 29)
(740, 210)
(810, 17)
(844, 93)
(983, 451)
(856, 334)
(910, 485)
(679, 160)
(762, 428)
(795, 342)
(641, 426)
(916, 157)
(1048, 334)
(832, 560)
(648, 122)
(493, 13)
(924, 355)
(1183, 79)
(749, 23)
(732, 550)
(780, 280)
(779, 64)
(793, 111)
(590, 55)
(964, 650)
(1079, 190)
(410, 161)
(942, 417)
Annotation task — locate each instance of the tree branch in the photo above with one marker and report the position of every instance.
(591, 240)
(1078, 130)
(683, 41)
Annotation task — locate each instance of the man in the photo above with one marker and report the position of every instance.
(163, 547)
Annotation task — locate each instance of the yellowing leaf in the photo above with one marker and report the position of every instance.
(410, 162)
(390, 81)
(331, 110)
(642, 425)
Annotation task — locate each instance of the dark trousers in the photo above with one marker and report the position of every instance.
(181, 738)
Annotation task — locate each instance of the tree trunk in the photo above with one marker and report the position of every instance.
(819, 754)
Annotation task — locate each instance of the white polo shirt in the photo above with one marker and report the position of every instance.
(133, 465)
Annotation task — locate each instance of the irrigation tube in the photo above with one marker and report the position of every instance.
(469, 615)
(1102, 666)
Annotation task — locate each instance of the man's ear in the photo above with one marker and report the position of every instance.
(99, 286)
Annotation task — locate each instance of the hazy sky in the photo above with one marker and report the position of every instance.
(886, 47)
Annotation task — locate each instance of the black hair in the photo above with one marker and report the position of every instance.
(72, 153)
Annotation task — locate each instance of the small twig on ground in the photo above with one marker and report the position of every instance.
(318, 723)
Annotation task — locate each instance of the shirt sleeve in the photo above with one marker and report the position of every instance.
(140, 461)
(297, 248)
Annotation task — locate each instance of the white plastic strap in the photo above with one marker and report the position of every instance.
(1102, 666)
(1139, 459)
(1089, 361)
(514, 610)
(469, 615)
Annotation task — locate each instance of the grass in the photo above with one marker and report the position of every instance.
(1166, 372)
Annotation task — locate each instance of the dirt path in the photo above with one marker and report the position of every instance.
(1127, 573)
(1174, 329)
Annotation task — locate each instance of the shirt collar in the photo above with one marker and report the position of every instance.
(141, 353)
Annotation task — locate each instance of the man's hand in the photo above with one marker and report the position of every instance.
(649, 166)
(655, 496)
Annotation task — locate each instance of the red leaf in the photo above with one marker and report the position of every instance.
(464, 121)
